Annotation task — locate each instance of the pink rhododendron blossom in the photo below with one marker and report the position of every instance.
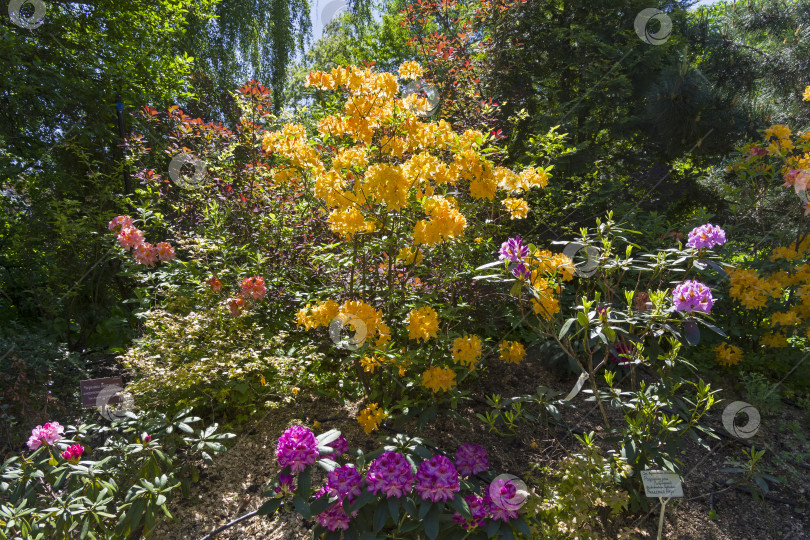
(165, 251)
(253, 287)
(479, 508)
(146, 254)
(130, 237)
(119, 222)
(73, 453)
(496, 509)
(335, 517)
(706, 236)
(48, 434)
(236, 305)
(341, 446)
(437, 479)
(616, 354)
(693, 296)
(344, 482)
(471, 459)
(297, 448)
(391, 474)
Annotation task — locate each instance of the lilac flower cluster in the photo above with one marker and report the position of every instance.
(693, 296)
(344, 482)
(341, 445)
(391, 474)
(706, 236)
(471, 459)
(437, 479)
(513, 250)
(297, 448)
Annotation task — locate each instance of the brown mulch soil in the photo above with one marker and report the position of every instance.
(233, 486)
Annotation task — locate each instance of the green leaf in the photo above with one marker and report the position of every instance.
(393, 508)
(302, 507)
(380, 517)
(432, 522)
(566, 327)
(269, 507)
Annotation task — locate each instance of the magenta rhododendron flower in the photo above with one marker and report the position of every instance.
(146, 254)
(341, 445)
(146, 439)
(499, 510)
(479, 508)
(130, 237)
(297, 448)
(119, 222)
(253, 287)
(285, 484)
(437, 479)
(344, 481)
(513, 250)
(165, 251)
(706, 236)
(471, 459)
(335, 517)
(73, 452)
(693, 296)
(391, 474)
(521, 271)
(48, 434)
(618, 350)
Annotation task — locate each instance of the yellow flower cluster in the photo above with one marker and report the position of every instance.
(467, 351)
(371, 417)
(728, 355)
(788, 318)
(750, 290)
(410, 255)
(552, 264)
(774, 340)
(512, 352)
(422, 323)
(782, 144)
(415, 159)
(517, 208)
(445, 222)
(352, 312)
(371, 363)
(547, 306)
(437, 379)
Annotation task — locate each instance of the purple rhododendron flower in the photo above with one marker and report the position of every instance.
(341, 445)
(437, 479)
(344, 481)
(471, 459)
(391, 474)
(479, 509)
(693, 296)
(706, 236)
(335, 517)
(521, 271)
(285, 483)
(48, 434)
(497, 512)
(297, 448)
(513, 249)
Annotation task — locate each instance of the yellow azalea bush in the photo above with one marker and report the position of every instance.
(728, 355)
(467, 351)
(512, 352)
(371, 417)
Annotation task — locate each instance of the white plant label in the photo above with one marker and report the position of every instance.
(661, 484)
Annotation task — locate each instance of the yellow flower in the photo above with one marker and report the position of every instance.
(780, 131)
(316, 425)
(518, 208)
(422, 323)
(410, 70)
(437, 379)
(806, 95)
(773, 340)
(370, 418)
(371, 363)
(467, 351)
(748, 289)
(512, 352)
(321, 314)
(295, 391)
(410, 255)
(478, 240)
(788, 318)
(445, 222)
(728, 355)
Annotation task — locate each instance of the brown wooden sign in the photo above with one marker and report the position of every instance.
(91, 388)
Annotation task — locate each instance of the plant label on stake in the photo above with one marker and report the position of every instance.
(662, 484)
(91, 388)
